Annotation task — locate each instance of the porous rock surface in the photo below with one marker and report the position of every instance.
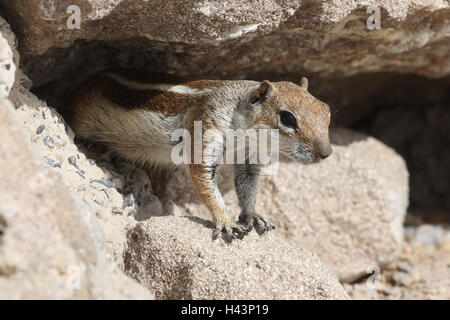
(237, 38)
(51, 243)
(349, 209)
(176, 258)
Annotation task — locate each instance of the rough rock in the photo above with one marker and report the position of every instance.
(235, 38)
(115, 199)
(349, 209)
(51, 251)
(176, 259)
(112, 197)
(51, 243)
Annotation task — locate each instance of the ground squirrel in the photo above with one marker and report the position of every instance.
(135, 119)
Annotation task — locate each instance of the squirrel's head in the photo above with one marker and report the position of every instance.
(301, 119)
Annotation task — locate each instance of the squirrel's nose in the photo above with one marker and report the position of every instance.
(324, 149)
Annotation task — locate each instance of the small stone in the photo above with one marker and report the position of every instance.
(49, 142)
(49, 161)
(429, 234)
(360, 287)
(92, 162)
(404, 266)
(73, 161)
(40, 129)
(402, 278)
(132, 213)
(106, 182)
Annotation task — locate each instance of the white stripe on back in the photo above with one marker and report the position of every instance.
(155, 86)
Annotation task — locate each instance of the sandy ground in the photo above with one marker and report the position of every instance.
(421, 272)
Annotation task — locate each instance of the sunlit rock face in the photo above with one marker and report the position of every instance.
(237, 38)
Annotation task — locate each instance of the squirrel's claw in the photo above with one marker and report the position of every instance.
(261, 225)
(230, 231)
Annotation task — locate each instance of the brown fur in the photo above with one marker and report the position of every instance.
(135, 120)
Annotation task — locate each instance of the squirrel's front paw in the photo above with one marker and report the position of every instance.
(230, 230)
(261, 224)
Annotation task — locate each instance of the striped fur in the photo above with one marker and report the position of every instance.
(135, 118)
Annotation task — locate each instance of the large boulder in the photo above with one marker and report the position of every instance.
(235, 38)
(51, 244)
(116, 201)
(349, 209)
(176, 259)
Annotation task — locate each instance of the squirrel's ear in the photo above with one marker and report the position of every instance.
(263, 92)
(304, 83)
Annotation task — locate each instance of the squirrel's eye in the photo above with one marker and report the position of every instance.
(288, 119)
